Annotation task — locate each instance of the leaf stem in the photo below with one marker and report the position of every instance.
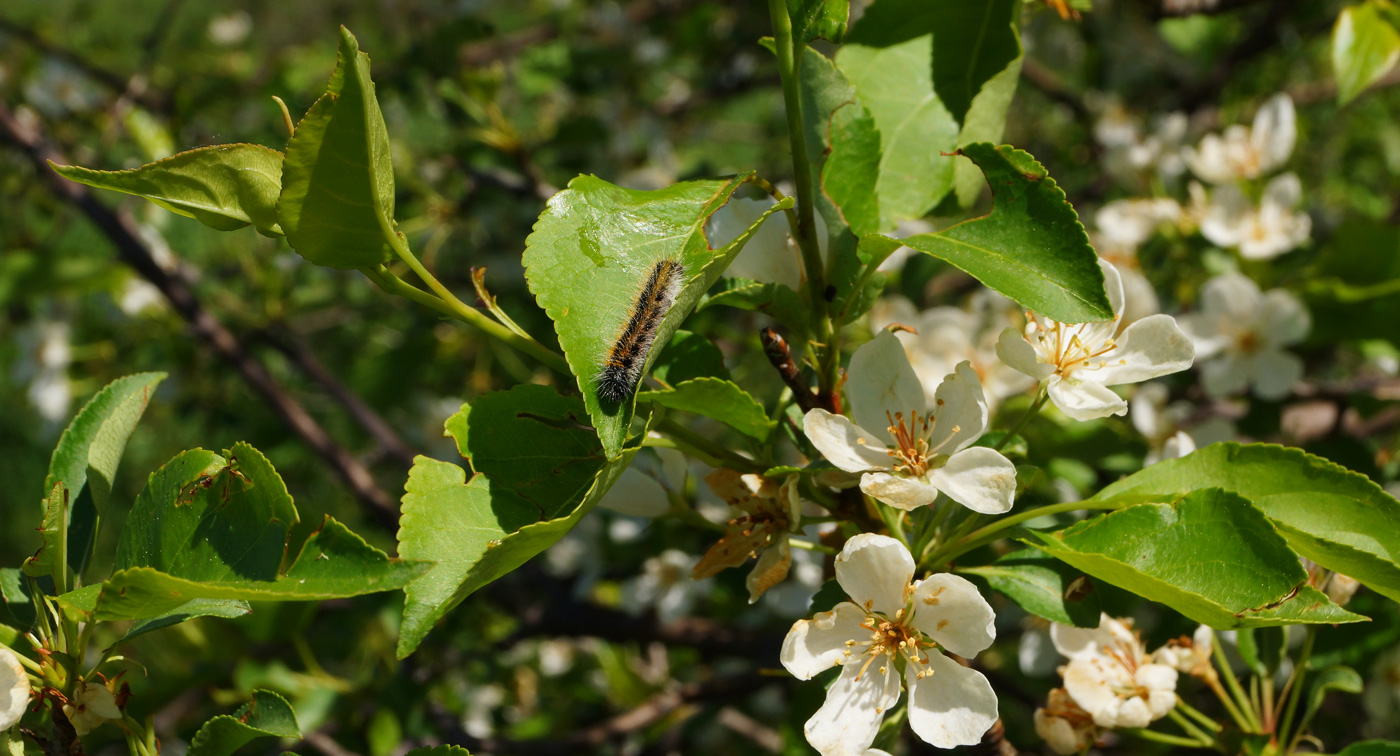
(1251, 721)
(798, 543)
(988, 533)
(1040, 396)
(453, 307)
(1196, 714)
(1162, 737)
(1293, 692)
(1190, 727)
(689, 438)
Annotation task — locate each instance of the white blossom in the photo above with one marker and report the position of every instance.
(45, 353)
(1241, 333)
(1188, 655)
(14, 689)
(646, 488)
(946, 336)
(1111, 677)
(906, 452)
(1129, 154)
(1263, 232)
(91, 705)
(1244, 153)
(895, 624)
(1121, 227)
(1064, 725)
(1079, 361)
(666, 585)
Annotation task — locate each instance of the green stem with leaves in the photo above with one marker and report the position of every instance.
(988, 533)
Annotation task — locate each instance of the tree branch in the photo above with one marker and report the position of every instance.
(130, 249)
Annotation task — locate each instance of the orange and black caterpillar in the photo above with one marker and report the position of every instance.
(622, 365)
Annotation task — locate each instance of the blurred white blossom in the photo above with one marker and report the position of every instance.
(1065, 726)
(1263, 232)
(1240, 334)
(665, 585)
(59, 88)
(1128, 153)
(1245, 153)
(1111, 677)
(1189, 656)
(45, 353)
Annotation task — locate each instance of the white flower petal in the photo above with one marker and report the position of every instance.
(1225, 375)
(1287, 318)
(951, 611)
(979, 478)
(899, 490)
(637, 494)
(1275, 131)
(1178, 446)
(1057, 733)
(1087, 642)
(960, 411)
(953, 707)
(1085, 400)
(856, 703)
(1133, 712)
(1231, 299)
(1091, 683)
(1113, 286)
(843, 443)
(874, 571)
(1150, 347)
(816, 645)
(1275, 374)
(1018, 354)
(14, 689)
(881, 380)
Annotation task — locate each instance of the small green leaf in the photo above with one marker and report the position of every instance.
(1327, 513)
(226, 187)
(52, 532)
(476, 531)
(445, 750)
(843, 145)
(985, 122)
(1371, 748)
(89, 452)
(819, 18)
(1261, 648)
(1340, 679)
(1209, 555)
(689, 355)
(223, 608)
(532, 441)
(1043, 586)
(267, 715)
(16, 608)
(1364, 47)
(772, 299)
(334, 563)
(337, 199)
(590, 254)
(719, 399)
(1031, 247)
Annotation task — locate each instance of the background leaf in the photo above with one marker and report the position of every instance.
(267, 715)
(1329, 514)
(225, 187)
(338, 184)
(590, 252)
(1209, 555)
(819, 18)
(1031, 247)
(1364, 48)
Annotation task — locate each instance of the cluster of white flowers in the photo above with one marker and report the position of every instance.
(1111, 681)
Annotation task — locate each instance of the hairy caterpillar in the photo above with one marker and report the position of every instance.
(622, 366)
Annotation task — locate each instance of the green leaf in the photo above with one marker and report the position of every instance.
(1371, 748)
(445, 750)
(972, 42)
(267, 715)
(226, 187)
(819, 18)
(1043, 586)
(1209, 555)
(334, 563)
(917, 133)
(476, 531)
(689, 355)
(208, 518)
(52, 531)
(592, 250)
(843, 145)
(985, 122)
(1327, 513)
(223, 608)
(16, 608)
(1031, 247)
(1364, 47)
(337, 200)
(1346, 312)
(1341, 679)
(772, 299)
(533, 442)
(719, 399)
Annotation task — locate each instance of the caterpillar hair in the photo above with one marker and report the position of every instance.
(622, 366)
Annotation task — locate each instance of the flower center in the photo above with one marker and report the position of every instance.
(911, 451)
(1073, 346)
(890, 639)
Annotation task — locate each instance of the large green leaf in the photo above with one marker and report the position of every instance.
(225, 187)
(533, 442)
(1209, 555)
(334, 563)
(843, 145)
(1043, 586)
(1364, 47)
(972, 42)
(91, 446)
(267, 715)
(337, 198)
(1031, 247)
(480, 529)
(719, 399)
(1329, 514)
(917, 133)
(590, 254)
